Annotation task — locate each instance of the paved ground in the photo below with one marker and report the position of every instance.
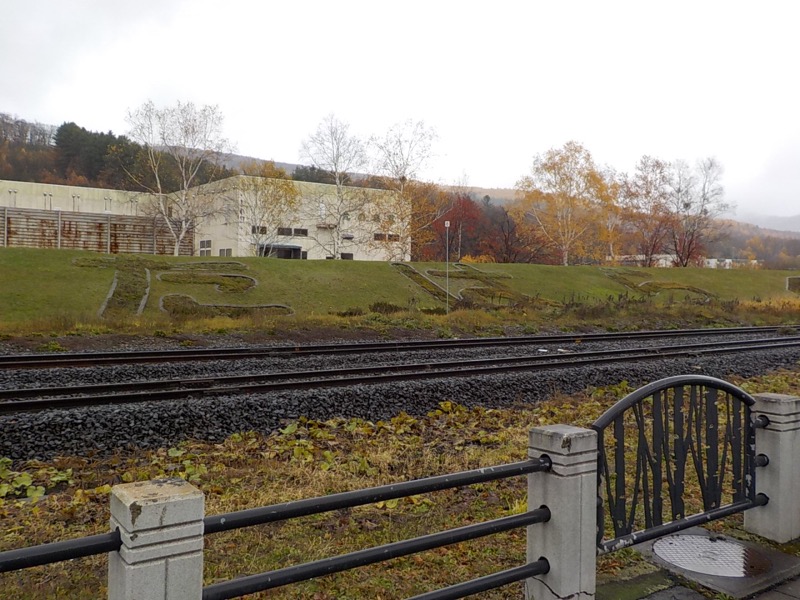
(785, 591)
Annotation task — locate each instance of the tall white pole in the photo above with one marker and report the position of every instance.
(447, 264)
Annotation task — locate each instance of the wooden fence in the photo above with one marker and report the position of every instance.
(109, 233)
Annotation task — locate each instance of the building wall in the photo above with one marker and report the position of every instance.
(320, 227)
(48, 196)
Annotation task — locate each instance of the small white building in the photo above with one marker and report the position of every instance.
(662, 261)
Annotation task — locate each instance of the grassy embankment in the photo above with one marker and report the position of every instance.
(54, 293)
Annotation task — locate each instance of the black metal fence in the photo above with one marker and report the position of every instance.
(110, 542)
(677, 446)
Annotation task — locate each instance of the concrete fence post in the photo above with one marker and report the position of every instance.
(569, 489)
(161, 525)
(779, 520)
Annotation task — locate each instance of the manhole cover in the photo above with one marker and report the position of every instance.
(711, 556)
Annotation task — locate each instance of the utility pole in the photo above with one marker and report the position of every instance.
(447, 264)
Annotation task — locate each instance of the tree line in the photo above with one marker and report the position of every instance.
(568, 210)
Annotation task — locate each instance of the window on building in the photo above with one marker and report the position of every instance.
(301, 232)
(380, 237)
(205, 247)
(226, 252)
(347, 236)
(259, 229)
(393, 237)
(347, 256)
(284, 231)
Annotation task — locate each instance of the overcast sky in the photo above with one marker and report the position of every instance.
(499, 81)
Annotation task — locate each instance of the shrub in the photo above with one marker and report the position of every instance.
(385, 308)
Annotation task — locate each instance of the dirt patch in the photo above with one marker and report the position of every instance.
(123, 342)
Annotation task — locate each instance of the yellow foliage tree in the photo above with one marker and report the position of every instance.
(262, 201)
(562, 198)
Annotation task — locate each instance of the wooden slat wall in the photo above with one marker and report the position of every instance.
(24, 227)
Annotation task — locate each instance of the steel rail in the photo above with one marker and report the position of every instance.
(82, 359)
(207, 382)
(207, 387)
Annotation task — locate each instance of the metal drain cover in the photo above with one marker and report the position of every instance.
(711, 556)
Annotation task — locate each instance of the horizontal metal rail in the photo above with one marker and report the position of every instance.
(208, 386)
(78, 359)
(489, 582)
(680, 524)
(327, 566)
(44, 554)
(313, 506)
(23, 558)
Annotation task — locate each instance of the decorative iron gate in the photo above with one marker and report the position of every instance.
(676, 453)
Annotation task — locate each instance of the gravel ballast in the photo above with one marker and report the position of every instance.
(102, 430)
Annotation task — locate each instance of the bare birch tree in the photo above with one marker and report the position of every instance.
(181, 144)
(697, 201)
(645, 198)
(332, 148)
(408, 213)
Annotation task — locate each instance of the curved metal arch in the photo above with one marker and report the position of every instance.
(664, 384)
(661, 436)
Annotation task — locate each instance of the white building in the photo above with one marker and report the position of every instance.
(248, 218)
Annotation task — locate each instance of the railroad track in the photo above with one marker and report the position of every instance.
(93, 359)
(30, 399)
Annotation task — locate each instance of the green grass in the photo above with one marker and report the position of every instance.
(35, 284)
(58, 291)
(309, 287)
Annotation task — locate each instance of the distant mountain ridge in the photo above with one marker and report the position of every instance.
(788, 224)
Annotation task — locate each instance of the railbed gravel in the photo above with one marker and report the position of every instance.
(103, 430)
